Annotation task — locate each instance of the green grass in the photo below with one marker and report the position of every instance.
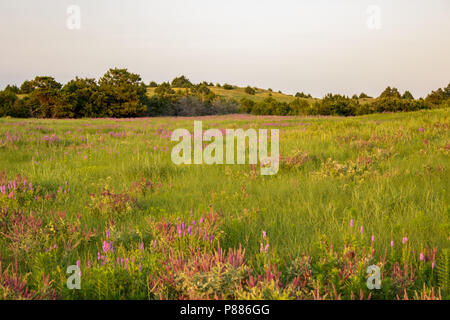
(402, 191)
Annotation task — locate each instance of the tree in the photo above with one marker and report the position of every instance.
(363, 96)
(164, 89)
(227, 86)
(12, 88)
(407, 95)
(247, 105)
(26, 87)
(181, 82)
(249, 90)
(435, 98)
(438, 97)
(7, 100)
(153, 84)
(299, 106)
(302, 95)
(390, 93)
(80, 98)
(335, 105)
(44, 97)
(122, 94)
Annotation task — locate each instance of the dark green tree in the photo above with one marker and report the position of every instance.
(249, 90)
(44, 97)
(164, 89)
(181, 82)
(80, 98)
(122, 94)
(26, 87)
(407, 95)
(390, 93)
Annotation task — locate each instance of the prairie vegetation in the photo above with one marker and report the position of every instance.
(103, 194)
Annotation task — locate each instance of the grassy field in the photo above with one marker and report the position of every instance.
(105, 195)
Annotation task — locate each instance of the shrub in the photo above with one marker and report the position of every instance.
(181, 82)
(250, 90)
(164, 89)
(247, 105)
(228, 86)
(390, 93)
(299, 107)
(335, 105)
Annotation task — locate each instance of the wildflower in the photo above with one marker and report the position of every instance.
(266, 248)
(179, 231)
(422, 257)
(392, 243)
(140, 267)
(98, 255)
(351, 223)
(107, 234)
(211, 238)
(154, 243)
(201, 219)
(189, 230)
(433, 265)
(362, 229)
(421, 129)
(105, 246)
(404, 240)
(141, 246)
(264, 234)
(373, 238)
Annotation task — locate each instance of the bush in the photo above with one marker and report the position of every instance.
(270, 106)
(228, 86)
(247, 105)
(181, 82)
(390, 93)
(363, 96)
(335, 105)
(164, 89)
(250, 90)
(299, 107)
(397, 105)
(302, 95)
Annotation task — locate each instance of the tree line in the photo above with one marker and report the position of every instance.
(121, 94)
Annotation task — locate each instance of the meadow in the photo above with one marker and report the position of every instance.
(104, 194)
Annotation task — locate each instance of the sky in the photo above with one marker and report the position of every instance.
(314, 46)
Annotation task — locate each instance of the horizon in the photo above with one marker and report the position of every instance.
(315, 47)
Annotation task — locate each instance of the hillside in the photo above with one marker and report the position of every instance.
(238, 93)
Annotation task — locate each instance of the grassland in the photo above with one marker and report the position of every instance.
(109, 183)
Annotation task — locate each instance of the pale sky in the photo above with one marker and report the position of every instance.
(315, 46)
